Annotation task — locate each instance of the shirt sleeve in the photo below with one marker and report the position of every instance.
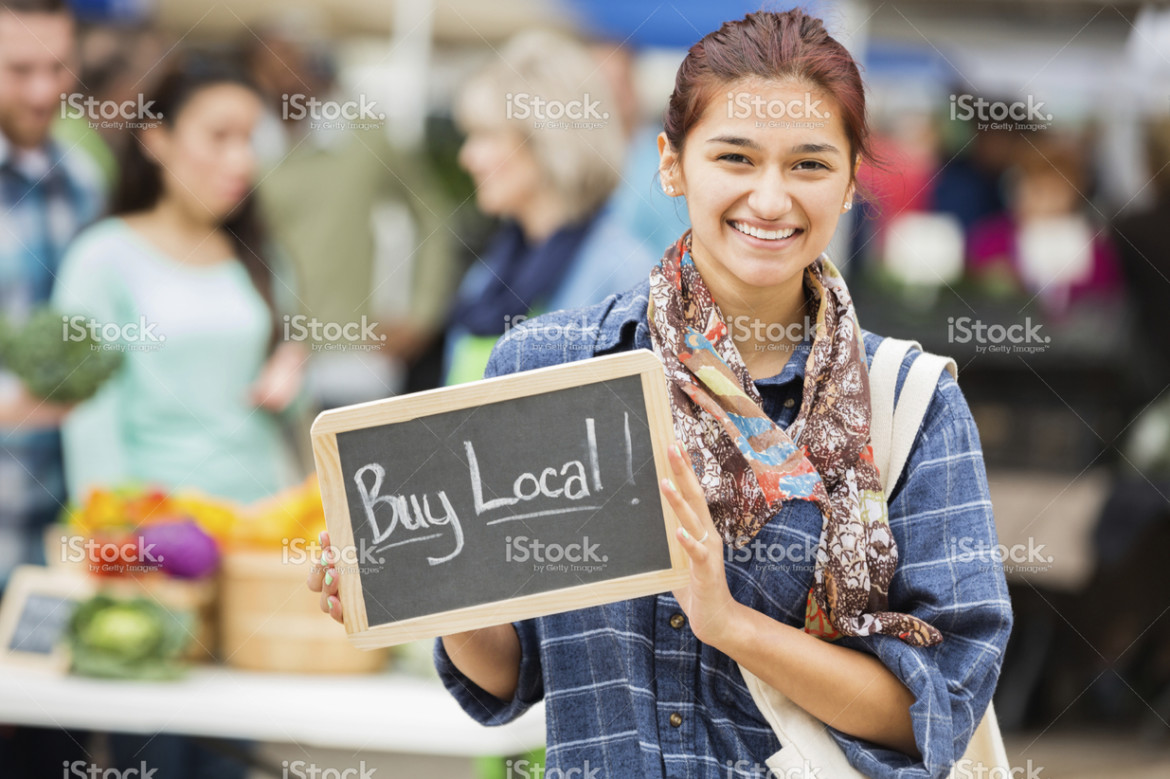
(951, 575)
(92, 435)
(481, 705)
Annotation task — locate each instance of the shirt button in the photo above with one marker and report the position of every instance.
(677, 621)
(675, 720)
(789, 403)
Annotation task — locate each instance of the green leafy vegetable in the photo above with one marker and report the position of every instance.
(127, 639)
(57, 363)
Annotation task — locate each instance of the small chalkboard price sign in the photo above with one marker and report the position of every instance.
(498, 500)
(34, 615)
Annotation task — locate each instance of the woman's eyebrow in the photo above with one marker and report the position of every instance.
(815, 148)
(748, 143)
(735, 140)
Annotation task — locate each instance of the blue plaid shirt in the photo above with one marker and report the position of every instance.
(45, 198)
(614, 677)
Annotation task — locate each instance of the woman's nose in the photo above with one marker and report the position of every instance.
(770, 197)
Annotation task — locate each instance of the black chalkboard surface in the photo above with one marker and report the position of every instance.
(41, 624)
(499, 500)
(35, 612)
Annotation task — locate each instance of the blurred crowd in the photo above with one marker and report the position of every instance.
(292, 255)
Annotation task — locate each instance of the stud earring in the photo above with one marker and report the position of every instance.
(848, 206)
(669, 189)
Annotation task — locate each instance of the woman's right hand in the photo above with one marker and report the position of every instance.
(323, 578)
(489, 656)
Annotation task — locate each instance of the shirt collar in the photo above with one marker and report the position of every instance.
(8, 155)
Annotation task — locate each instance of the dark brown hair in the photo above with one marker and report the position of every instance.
(35, 6)
(775, 46)
(140, 181)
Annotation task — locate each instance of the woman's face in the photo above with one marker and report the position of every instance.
(207, 158)
(505, 172)
(767, 173)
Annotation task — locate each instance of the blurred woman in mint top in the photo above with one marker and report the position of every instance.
(181, 267)
(544, 147)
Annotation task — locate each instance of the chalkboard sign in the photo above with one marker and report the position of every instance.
(35, 612)
(499, 500)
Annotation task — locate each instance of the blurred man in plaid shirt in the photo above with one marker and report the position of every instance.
(47, 193)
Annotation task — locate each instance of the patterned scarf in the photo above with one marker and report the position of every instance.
(748, 466)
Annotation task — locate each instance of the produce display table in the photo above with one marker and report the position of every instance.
(378, 712)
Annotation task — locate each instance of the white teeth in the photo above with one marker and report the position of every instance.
(767, 235)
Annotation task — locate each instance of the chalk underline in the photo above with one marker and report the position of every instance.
(541, 514)
(409, 541)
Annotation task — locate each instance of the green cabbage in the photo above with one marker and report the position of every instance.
(127, 639)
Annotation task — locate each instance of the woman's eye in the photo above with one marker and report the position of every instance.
(733, 157)
(811, 165)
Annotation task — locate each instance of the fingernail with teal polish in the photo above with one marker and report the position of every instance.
(685, 533)
(328, 578)
(324, 560)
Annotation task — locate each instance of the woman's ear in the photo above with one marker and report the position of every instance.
(668, 168)
(155, 142)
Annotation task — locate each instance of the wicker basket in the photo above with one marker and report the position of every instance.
(269, 621)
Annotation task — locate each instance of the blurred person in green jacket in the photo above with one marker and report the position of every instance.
(363, 222)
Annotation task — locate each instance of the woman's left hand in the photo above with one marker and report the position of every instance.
(280, 378)
(706, 600)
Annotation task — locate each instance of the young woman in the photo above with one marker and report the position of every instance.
(184, 255)
(873, 625)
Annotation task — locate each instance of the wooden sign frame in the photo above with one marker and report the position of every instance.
(329, 424)
(26, 581)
